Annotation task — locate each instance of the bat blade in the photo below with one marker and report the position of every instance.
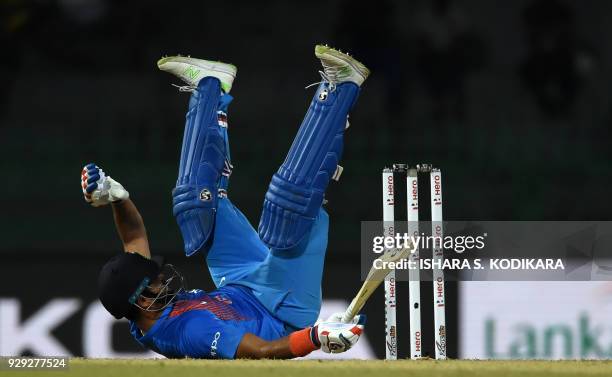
(373, 280)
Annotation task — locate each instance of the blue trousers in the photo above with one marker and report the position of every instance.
(286, 282)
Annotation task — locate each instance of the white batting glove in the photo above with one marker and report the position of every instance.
(337, 337)
(337, 317)
(100, 189)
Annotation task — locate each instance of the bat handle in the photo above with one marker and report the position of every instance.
(349, 313)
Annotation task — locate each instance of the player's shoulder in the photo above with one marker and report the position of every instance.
(189, 304)
(191, 294)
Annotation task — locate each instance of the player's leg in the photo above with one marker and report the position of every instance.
(297, 189)
(236, 248)
(288, 281)
(230, 244)
(204, 153)
(293, 224)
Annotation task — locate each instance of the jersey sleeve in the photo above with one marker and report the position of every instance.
(206, 336)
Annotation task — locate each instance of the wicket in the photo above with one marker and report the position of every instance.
(414, 288)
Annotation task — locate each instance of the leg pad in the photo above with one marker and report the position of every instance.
(298, 187)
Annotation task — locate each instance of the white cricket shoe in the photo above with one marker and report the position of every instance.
(339, 67)
(192, 70)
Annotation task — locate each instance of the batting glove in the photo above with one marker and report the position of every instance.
(337, 337)
(337, 317)
(100, 189)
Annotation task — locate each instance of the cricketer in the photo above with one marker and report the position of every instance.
(268, 294)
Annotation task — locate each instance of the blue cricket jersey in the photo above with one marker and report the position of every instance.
(209, 324)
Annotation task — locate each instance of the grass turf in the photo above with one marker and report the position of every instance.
(310, 368)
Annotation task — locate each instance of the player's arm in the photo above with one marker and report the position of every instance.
(253, 347)
(100, 189)
(330, 337)
(131, 228)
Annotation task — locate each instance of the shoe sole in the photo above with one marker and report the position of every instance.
(357, 66)
(201, 63)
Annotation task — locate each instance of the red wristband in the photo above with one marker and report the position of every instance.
(300, 342)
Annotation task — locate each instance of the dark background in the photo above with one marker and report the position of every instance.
(510, 99)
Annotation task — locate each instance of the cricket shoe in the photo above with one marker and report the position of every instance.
(192, 70)
(339, 67)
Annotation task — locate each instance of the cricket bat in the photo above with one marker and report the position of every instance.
(373, 280)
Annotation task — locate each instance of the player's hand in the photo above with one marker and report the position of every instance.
(100, 189)
(336, 337)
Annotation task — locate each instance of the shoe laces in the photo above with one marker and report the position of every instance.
(330, 74)
(185, 88)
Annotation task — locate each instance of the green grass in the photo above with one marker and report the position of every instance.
(273, 368)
